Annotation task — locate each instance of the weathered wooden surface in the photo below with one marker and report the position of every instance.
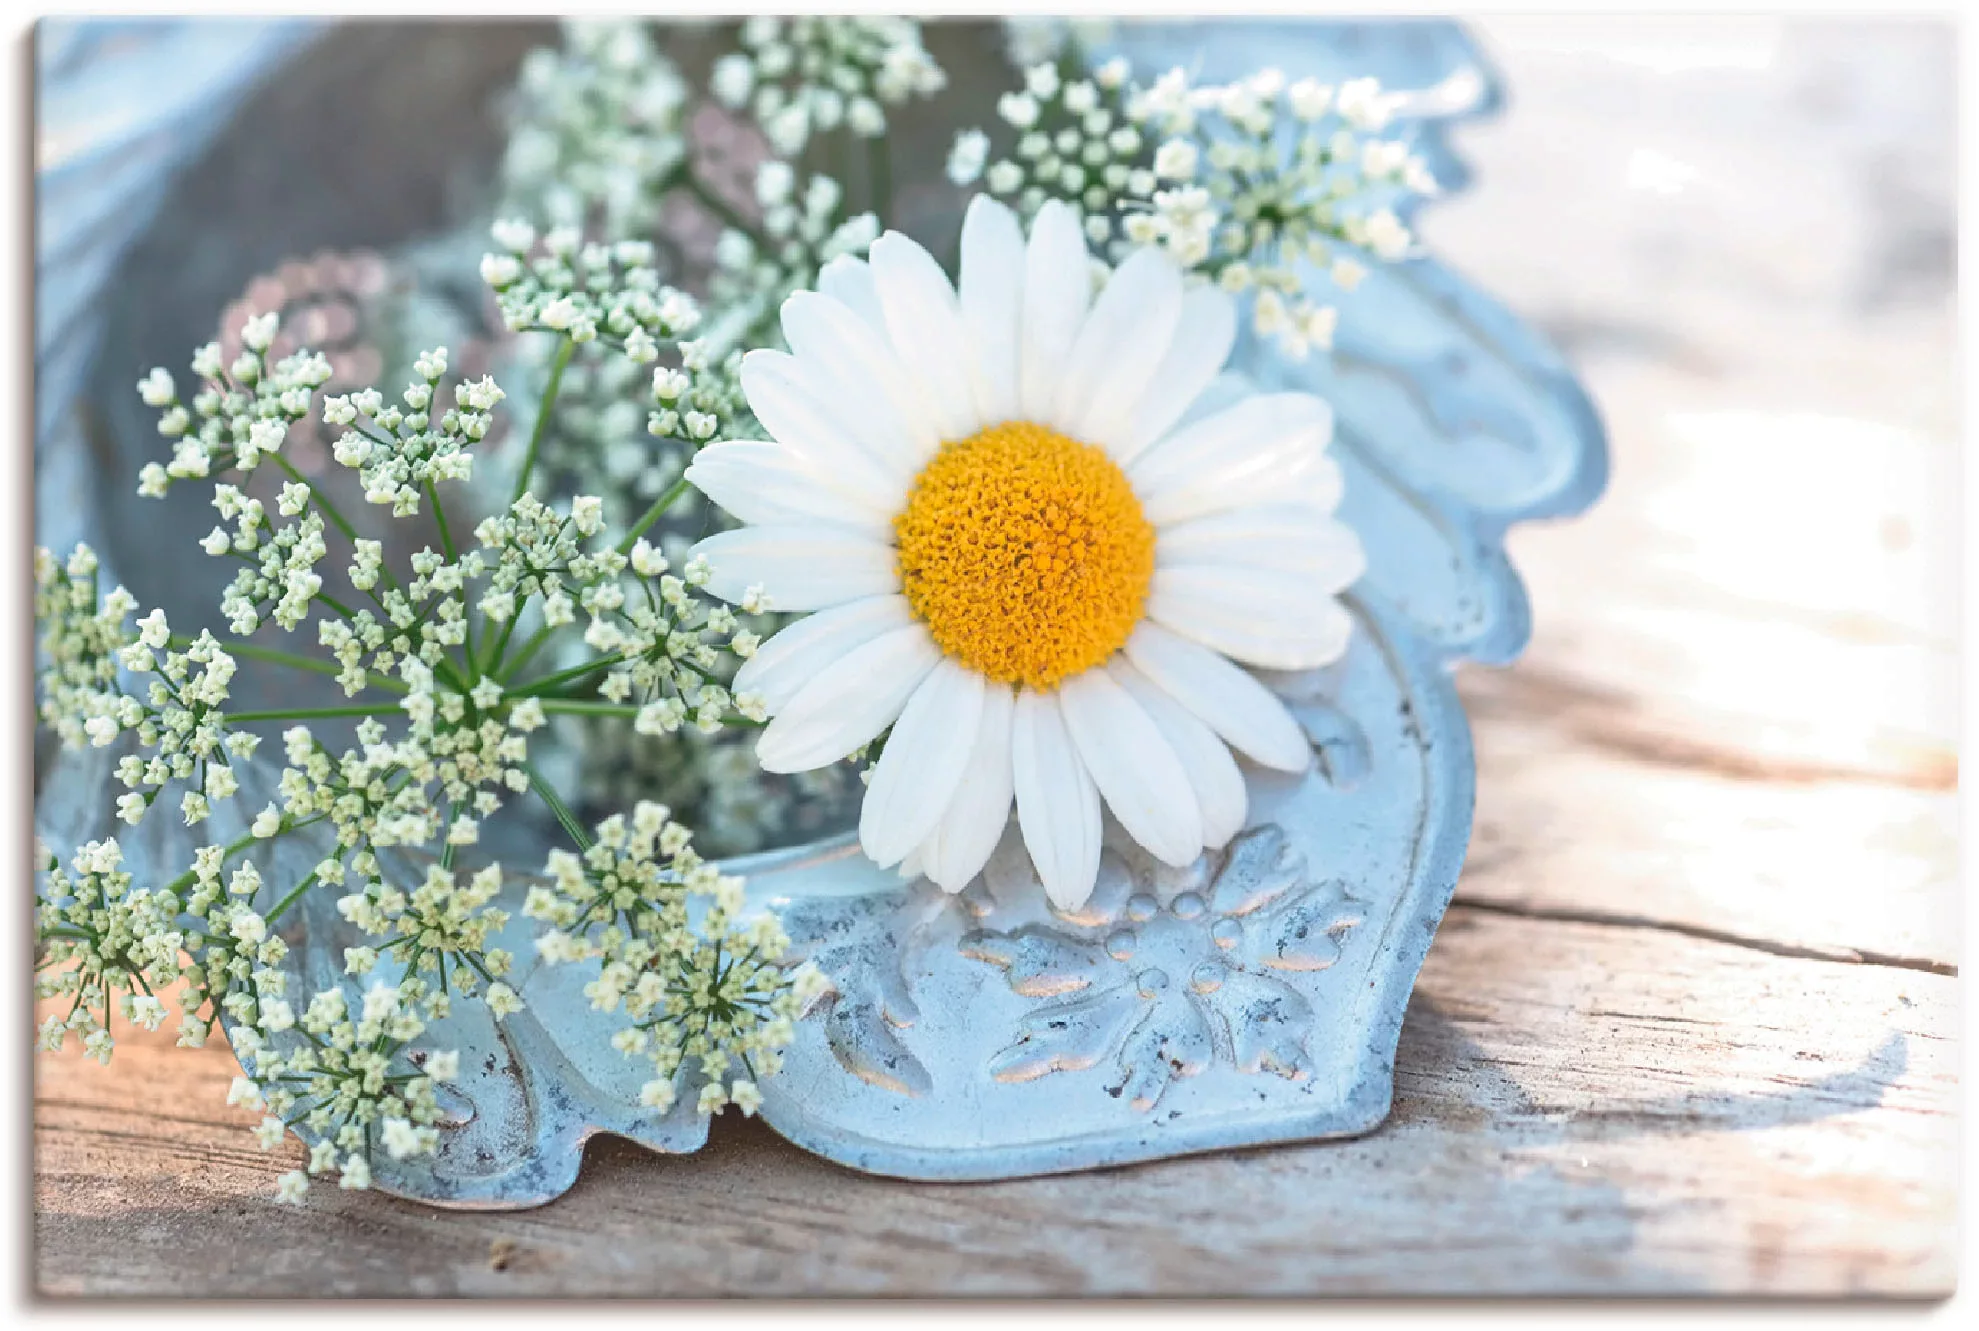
(1690, 1024)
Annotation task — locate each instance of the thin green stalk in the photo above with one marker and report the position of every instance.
(235, 847)
(273, 656)
(537, 687)
(565, 349)
(653, 514)
(310, 713)
(499, 645)
(294, 895)
(587, 707)
(529, 649)
(549, 796)
(440, 520)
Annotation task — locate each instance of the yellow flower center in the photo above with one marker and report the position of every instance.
(1026, 553)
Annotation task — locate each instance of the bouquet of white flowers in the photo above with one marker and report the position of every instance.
(991, 536)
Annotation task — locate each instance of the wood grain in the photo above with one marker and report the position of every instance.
(1580, 1108)
(1690, 1024)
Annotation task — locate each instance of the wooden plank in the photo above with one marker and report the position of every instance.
(1582, 816)
(1580, 1108)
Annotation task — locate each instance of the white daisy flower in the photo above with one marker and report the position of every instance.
(1024, 553)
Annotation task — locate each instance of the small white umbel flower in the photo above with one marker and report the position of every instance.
(1035, 549)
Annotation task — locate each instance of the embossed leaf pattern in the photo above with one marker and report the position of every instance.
(1165, 990)
(1067, 1036)
(1171, 1042)
(1265, 1020)
(861, 947)
(1041, 963)
(1304, 934)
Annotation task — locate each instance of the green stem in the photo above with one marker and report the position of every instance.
(587, 707)
(235, 847)
(440, 520)
(548, 794)
(536, 687)
(254, 652)
(565, 349)
(294, 895)
(653, 514)
(500, 645)
(308, 713)
(529, 649)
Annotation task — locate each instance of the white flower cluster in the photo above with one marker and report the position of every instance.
(717, 996)
(1075, 142)
(1238, 204)
(441, 926)
(697, 403)
(113, 948)
(800, 76)
(400, 451)
(1030, 40)
(346, 1079)
(83, 636)
(241, 414)
(803, 230)
(595, 131)
(346, 1076)
(586, 291)
(1263, 185)
(89, 652)
(278, 579)
(444, 697)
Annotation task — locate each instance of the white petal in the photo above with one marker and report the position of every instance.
(1058, 286)
(1057, 802)
(767, 483)
(857, 365)
(800, 567)
(1262, 617)
(1229, 701)
(1119, 347)
(1219, 786)
(1225, 390)
(924, 324)
(1204, 335)
(922, 764)
(993, 301)
(980, 808)
(850, 282)
(1136, 771)
(1293, 538)
(1306, 477)
(1317, 486)
(849, 702)
(793, 409)
(1261, 441)
(791, 658)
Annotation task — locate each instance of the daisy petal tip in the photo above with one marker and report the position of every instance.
(1293, 756)
(985, 211)
(1067, 894)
